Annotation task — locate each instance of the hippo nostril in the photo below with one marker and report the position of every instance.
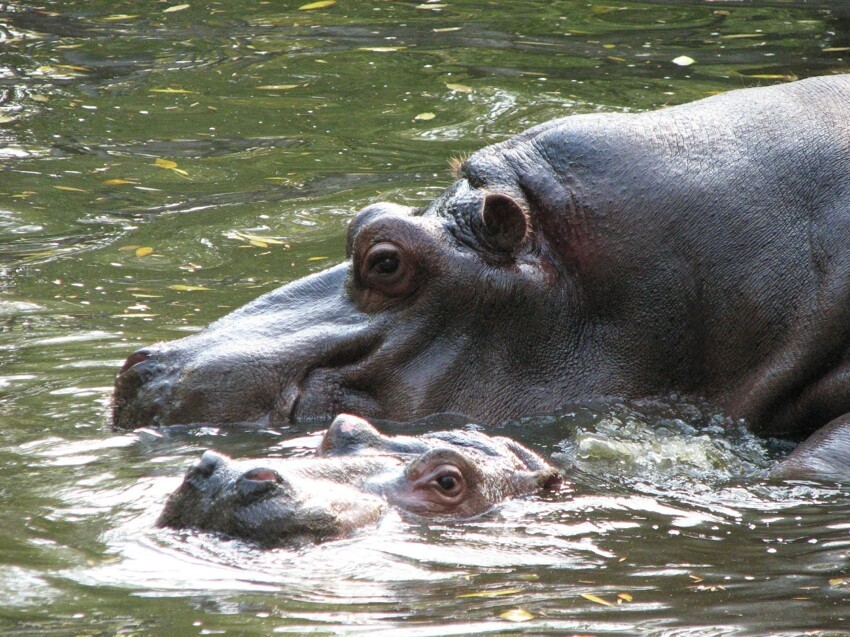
(209, 462)
(135, 358)
(262, 475)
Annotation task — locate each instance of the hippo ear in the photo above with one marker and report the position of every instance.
(505, 222)
(531, 481)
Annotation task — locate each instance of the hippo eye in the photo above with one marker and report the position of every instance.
(385, 269)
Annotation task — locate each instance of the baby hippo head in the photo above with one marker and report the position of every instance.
(356, 475)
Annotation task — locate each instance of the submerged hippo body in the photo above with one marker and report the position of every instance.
(700, 249)
(357, 473)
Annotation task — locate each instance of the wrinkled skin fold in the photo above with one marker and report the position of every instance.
(699, 249)
(355, 477)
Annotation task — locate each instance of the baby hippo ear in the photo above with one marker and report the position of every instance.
(505, 222)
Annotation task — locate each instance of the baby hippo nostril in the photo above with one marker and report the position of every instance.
(262, 475)
(135, 358)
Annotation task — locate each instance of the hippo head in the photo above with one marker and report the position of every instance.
(455, 308)
(357, 474)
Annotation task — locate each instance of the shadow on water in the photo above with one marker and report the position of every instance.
(166, 162)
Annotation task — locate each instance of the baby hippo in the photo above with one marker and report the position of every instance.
(356, 474)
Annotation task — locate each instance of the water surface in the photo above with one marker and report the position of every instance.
(164, 162)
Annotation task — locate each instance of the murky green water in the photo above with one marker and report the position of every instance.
(271, 122)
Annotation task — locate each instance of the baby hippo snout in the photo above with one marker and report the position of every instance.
(357, 474)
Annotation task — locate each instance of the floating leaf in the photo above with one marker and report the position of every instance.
(176, 7)
(446, 29)
(625, 597)
(40, 98)
(790, 77)
(165, 163)
(696, 578)
(683, 60)
(258, 243)
(5, 119)
(462, 88)
(73, 67)
(516, 615)
(837, 581)
(277, 87)
(70, 188)
(187, 288)
(596, 600)
(382, 49)
(171, 90)
(424, 117)
(738, 36)
(144, 251)
(134, 315)
(497, 593)
(835, 49)
(118, 182)
(321, 4)
(128, 248)
(317, 258)
(120, 16)
(170, 165)
(255, 237)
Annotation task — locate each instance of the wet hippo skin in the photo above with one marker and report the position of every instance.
(700, 249)
(357, 474)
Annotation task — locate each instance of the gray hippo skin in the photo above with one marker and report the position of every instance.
(357, 474)
(700, 249)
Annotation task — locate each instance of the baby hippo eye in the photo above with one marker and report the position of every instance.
(448, 480)
(447, 483)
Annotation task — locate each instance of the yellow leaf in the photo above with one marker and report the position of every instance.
(625, 597)
(187, 288)
(321, 4)
(836, 581)
(258, 243)
(118, 182)
(69, 188)
(256, 237)
(180, 171)
(446, 29)
(119, 16)
(4, 119)
(834, 49)
(516, 615)
(171, 90)
(496, 593)
(165, 163)
(317, 258)
(176, 7)
(144, 251)
(277, 87)
(597, 600)
(462, 88)
(72, 67)
(424, 117)
(40, 98)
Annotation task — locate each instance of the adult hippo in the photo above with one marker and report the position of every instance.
(700, 249)
(357, 474)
